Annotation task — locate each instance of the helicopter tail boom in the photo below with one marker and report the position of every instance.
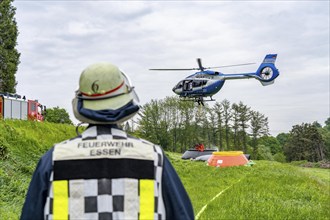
(266, 72)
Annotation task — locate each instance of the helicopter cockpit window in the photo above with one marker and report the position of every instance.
(187, 85)
(197, 83)
(179, 85)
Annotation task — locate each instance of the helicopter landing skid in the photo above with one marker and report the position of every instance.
(199, 100)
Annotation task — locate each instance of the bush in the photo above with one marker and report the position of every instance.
(58, 115)
(298, 162)
(280, 157)
(264, 153)
(325, 164)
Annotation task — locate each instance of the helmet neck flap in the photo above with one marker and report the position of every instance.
(108, 115)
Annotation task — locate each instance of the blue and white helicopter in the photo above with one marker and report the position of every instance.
(206, 82)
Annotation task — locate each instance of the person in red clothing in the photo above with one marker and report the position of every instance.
(199, 147)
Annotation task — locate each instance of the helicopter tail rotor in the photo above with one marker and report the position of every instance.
(267, 72)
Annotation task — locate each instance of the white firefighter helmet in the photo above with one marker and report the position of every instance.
(105, 95)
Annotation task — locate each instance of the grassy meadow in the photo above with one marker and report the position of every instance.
(267, 190)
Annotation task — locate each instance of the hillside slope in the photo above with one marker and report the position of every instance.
(268, 190)
(21, 145)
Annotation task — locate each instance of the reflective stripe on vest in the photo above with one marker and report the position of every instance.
(107, 179)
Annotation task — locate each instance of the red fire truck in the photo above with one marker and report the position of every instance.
(13, 106)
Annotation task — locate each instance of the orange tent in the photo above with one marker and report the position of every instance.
(227, 158)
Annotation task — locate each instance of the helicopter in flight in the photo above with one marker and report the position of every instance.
(207, 82)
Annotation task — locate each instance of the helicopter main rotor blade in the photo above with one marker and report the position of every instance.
(175, 69)
(199, 61)
(242, 64)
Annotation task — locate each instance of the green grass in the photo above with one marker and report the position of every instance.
(267, 190)
(21, 145)
(320, 175)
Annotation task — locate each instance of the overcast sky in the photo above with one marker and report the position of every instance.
(58, 39)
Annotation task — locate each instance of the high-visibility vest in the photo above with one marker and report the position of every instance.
(106, 175)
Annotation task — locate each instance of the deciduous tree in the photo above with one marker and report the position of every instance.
(305, 143)
(227, 116)
(235, 125)
(57, 115)
(259, 127)
(243, 118)
(217, 108)
(9, 56)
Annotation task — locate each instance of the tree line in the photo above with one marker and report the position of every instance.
(179, 125)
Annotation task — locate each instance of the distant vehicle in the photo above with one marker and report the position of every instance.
(206, 83)
(13, 106)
